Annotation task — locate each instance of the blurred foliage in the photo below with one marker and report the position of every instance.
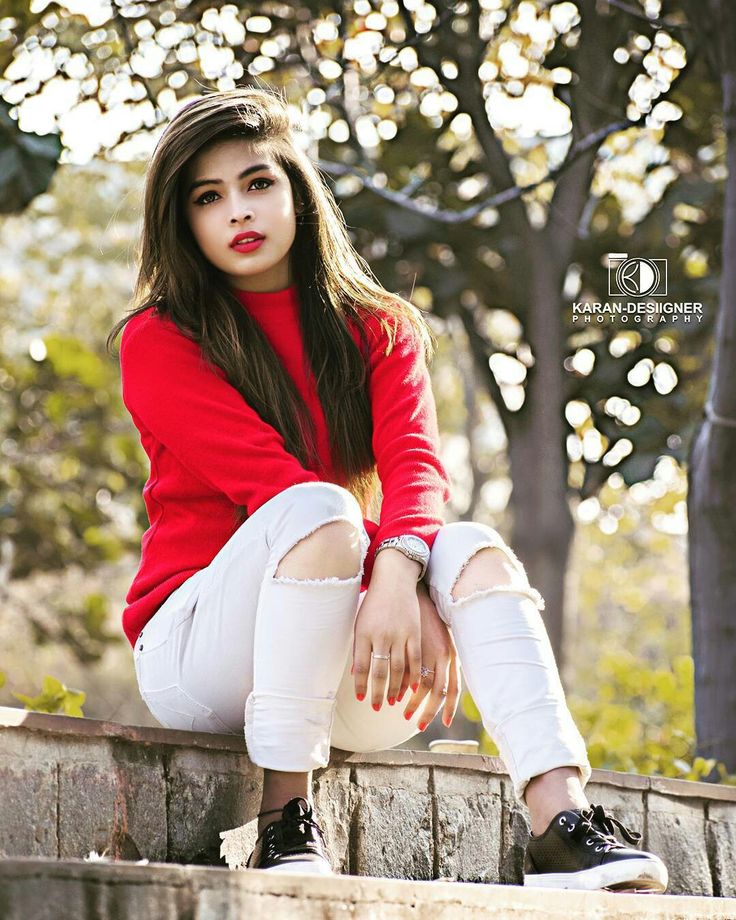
(640, 718)
(55, 698)
(71, 464)
(61, 462)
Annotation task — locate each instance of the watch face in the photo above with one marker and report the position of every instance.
(416, 545)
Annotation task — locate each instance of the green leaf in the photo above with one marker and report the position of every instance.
(54, 698)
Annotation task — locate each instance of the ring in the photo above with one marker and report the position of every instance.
(374, 655)
(443, 691)
(423, 672)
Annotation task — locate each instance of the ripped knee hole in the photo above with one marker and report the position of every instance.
(488, 567)
(308, 553)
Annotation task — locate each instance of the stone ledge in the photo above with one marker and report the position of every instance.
(141, 734)
(72, 785)
(98, 891)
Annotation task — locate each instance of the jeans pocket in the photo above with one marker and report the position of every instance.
(156, 647)
(174, 708)
(177, 609)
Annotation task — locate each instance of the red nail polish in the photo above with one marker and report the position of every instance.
(391, 700)
(415, 687)
(401, 695)
(361, 696)
(422, 726)
(376, 706)
(408, 715)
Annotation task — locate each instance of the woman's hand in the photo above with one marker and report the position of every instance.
(387, 623)
(387, 612)
(439, 653)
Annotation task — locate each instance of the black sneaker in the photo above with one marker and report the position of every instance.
(579, 850)
(294, 843)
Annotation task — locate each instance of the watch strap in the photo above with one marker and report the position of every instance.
(396, 543)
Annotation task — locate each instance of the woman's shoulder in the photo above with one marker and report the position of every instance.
(140, 319)
(378, 321)
(154, 323)
(152, 336)
(388, 330)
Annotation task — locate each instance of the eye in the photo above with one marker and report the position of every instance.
(201, 199)
(269, 182)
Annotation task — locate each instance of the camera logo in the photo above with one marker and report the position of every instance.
(636, 277)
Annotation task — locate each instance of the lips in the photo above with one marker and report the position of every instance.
(245, 238)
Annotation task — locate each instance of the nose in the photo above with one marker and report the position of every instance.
(239, 214)
(240, 210)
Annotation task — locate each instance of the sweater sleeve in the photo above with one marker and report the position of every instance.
(414, 483)
(187, 404)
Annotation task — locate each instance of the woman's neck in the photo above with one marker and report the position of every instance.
(282, 301)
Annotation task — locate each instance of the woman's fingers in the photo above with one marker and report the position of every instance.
(453, 691)
(397, 669)
(404, 686)
(393, 677)
(436, 697)
(415, 700)
(385, 670)
(414, 656)
(380, 671)
(361, 664)
(387, 626)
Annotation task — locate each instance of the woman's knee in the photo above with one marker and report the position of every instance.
(332, 550)
(480, 560)
(488, 567)
(323, 500)
(460, 539)
(330, 536)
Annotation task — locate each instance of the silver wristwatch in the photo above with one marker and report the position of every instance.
(411, 546)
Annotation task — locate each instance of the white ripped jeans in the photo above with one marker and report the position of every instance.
(236, 649)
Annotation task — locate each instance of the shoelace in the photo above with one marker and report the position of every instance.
(597, 826)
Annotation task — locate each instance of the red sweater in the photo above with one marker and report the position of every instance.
(210, 451)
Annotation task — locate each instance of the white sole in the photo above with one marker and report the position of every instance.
(644, 875)
(303, 868)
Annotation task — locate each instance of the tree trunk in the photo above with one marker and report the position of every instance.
(712, 478)
(543, 525)
(463, 360)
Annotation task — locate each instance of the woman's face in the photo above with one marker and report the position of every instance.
(245, 192)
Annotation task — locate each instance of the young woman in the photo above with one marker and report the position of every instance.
(277, 387)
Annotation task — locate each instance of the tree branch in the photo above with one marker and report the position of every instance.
(478, 347)
(593, 65)
(446, 216)
(650, 20)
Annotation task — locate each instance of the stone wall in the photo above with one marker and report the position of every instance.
(70, 786)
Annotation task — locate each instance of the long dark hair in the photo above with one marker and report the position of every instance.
(334, 284)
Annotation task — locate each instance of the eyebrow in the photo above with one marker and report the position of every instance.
(246, 172)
